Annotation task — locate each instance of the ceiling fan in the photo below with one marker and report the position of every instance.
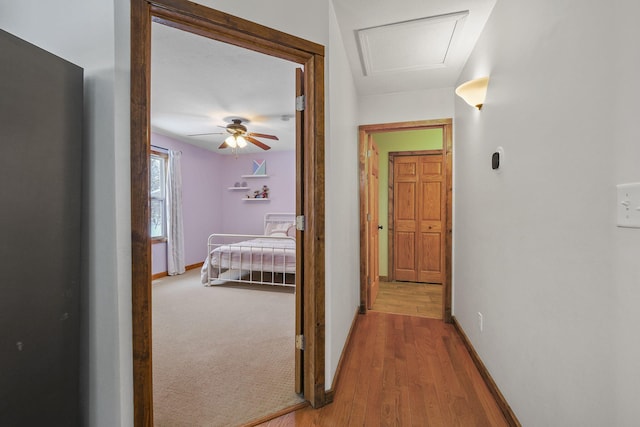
(238, 135)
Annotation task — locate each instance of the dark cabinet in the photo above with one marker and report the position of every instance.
(41, 110)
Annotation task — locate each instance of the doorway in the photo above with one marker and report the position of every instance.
(367, 133)
(219, 26)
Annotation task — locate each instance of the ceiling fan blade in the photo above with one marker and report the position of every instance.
(223, 145)
(210, 133)
(257, 143)
(262, 135)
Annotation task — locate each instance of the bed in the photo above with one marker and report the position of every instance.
(268, 259)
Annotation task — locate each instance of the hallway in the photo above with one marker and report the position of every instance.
(404, 371)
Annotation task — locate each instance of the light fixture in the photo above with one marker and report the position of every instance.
(474, 91)
(241, 141)
(236, 140)
(231, 141)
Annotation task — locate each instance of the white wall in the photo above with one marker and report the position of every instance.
(536, 249)
(95, 35)
(342, 207)
(60, 27)
(626, 252)
(406, 106)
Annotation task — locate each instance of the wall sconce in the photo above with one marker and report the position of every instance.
(474, 91)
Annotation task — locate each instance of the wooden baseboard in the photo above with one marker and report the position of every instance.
(275, 415)
(508, 413)
(187, 268)
(329, 394)
(159, 275)
(192, 266)
(384, 278)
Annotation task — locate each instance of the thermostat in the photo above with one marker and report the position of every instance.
(497, 159)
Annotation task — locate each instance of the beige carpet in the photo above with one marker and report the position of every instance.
(223, 355)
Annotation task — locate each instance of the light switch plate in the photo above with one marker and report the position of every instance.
(629, 205)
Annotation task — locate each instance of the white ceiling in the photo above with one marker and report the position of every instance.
(199, 84)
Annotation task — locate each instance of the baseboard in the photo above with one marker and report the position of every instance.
(192, 266)
(509, 415)
(186, 268)
(275, 415)
(384, 278)
(330, 394)
(159, 275)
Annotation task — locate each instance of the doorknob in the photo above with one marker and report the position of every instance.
(379, 227)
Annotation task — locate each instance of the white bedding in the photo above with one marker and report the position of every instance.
(268, 254)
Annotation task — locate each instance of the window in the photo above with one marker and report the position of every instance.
(157, 195)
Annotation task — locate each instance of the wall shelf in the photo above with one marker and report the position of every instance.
(254, 176)
(251, 199)
(238, 188)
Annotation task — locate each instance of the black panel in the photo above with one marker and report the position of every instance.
(495, 160)
(40, 189)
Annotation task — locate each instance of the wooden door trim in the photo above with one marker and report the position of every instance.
(391, 200)
(220, 26)
(365, 132)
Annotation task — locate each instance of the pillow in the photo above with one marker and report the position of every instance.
(291, 231)
(276, 227)
(278, 234)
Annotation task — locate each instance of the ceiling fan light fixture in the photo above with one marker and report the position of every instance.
(231, 141)
(241, 141)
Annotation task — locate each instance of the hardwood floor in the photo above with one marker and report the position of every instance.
(403, 371)
(414, 299)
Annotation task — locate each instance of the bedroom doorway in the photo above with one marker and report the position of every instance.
(381, 132)
(222, 27)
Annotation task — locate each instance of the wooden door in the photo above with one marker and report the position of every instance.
(373, 246)
(418, 215)
(299, 354)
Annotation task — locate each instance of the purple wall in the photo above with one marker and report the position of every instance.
(247, 217)
(210, 207)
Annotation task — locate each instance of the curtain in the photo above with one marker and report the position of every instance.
(175, 231)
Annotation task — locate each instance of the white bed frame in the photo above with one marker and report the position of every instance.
(263, 261)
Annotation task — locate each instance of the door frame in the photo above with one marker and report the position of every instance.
(201, 20)
(365, 132)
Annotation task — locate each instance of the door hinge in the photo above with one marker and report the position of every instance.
(368, 153)
(368, 217)
(300, 342)
(300, 103)
(300, 223)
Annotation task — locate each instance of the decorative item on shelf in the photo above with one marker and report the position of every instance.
(257, 194)
(237, 184)
(259, 167)
(244, 183)
(265, 192)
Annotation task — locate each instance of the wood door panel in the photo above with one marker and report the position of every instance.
(430, 262)
(406, 170)
(432, 167)
(405, 194)
(405, 255)
(431, 201)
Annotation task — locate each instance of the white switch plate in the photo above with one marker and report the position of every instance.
(629, 205)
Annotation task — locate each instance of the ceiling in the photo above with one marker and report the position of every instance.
(198, 84)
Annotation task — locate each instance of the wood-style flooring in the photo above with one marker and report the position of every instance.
(414, 299)
(403, 371)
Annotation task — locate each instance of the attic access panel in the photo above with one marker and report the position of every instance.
(410, 45)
